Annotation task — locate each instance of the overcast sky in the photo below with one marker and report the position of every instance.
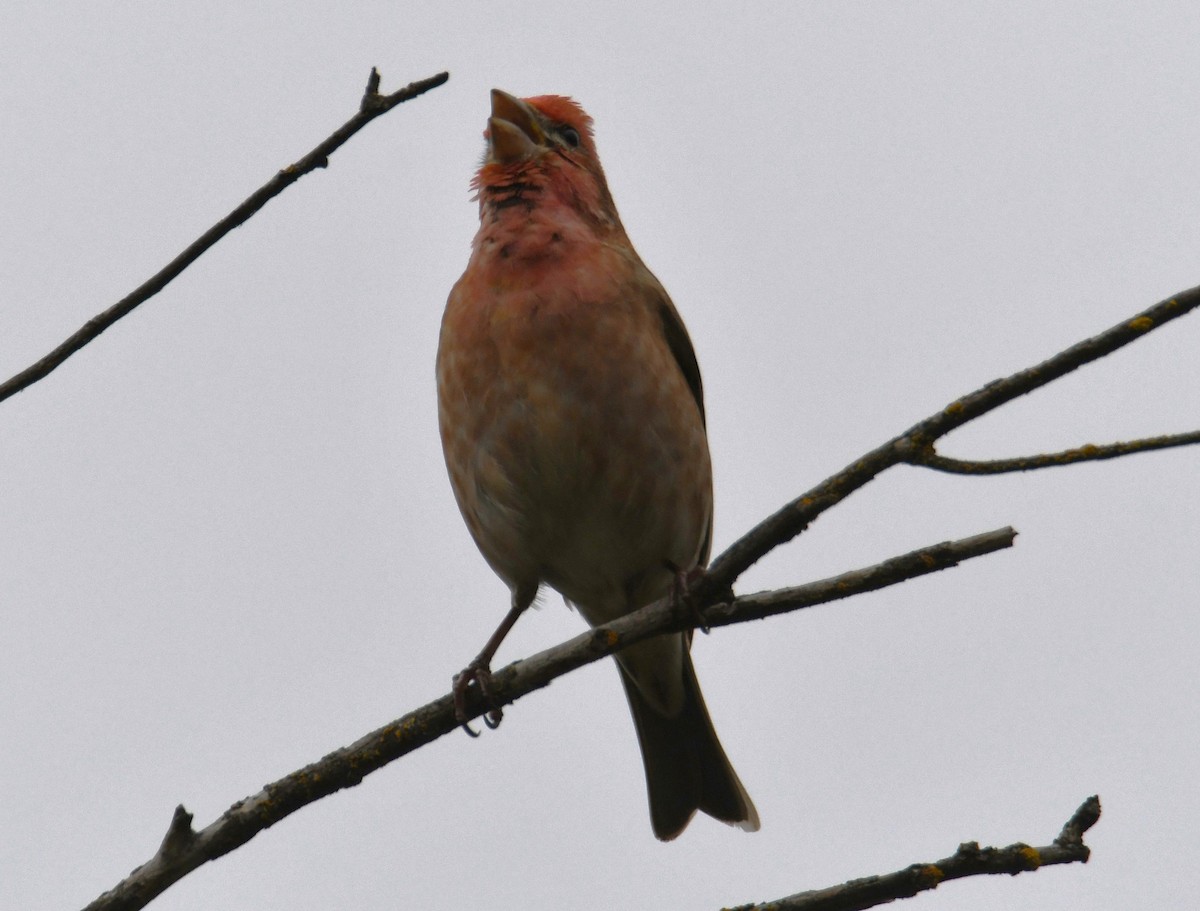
(228, 546)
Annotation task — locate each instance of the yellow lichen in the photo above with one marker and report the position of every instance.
(932, 875)
(1031, 856)
(1141, 324)
(954, 408)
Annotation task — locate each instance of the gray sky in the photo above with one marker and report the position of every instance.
(227, 544)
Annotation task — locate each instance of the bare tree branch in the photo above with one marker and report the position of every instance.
(898, 569)
(1089, 452)
(183, 849)
(372, 105)
(968, 860)
(914, 444)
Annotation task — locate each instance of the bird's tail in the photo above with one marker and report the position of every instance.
(686, 768)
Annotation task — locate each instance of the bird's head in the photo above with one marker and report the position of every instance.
(538, 146)
(522, 130)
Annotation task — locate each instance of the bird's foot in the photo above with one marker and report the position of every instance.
(681, 593)
(479, 672)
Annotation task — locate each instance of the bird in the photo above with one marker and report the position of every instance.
(572, 420)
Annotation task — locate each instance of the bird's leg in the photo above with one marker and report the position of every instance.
(681, 592)
(480, 669)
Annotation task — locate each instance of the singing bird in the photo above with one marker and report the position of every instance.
(572, 422)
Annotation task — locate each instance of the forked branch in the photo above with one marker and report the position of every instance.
(915, 446)
(183, 848)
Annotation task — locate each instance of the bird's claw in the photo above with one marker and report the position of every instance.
(681, 593)
(481, 674)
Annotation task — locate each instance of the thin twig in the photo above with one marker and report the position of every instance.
(1089, 452)
(968, 860)
(184, 849)
(909, 566)
(372, 105)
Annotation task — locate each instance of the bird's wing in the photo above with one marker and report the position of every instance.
(680, 344)
(676, 336)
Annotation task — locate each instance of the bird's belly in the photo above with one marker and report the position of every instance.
(590, 470)
(598, 497)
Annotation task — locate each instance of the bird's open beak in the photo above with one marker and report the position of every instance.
(514, 133)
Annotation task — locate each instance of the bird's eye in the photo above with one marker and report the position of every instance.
(570, 136)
